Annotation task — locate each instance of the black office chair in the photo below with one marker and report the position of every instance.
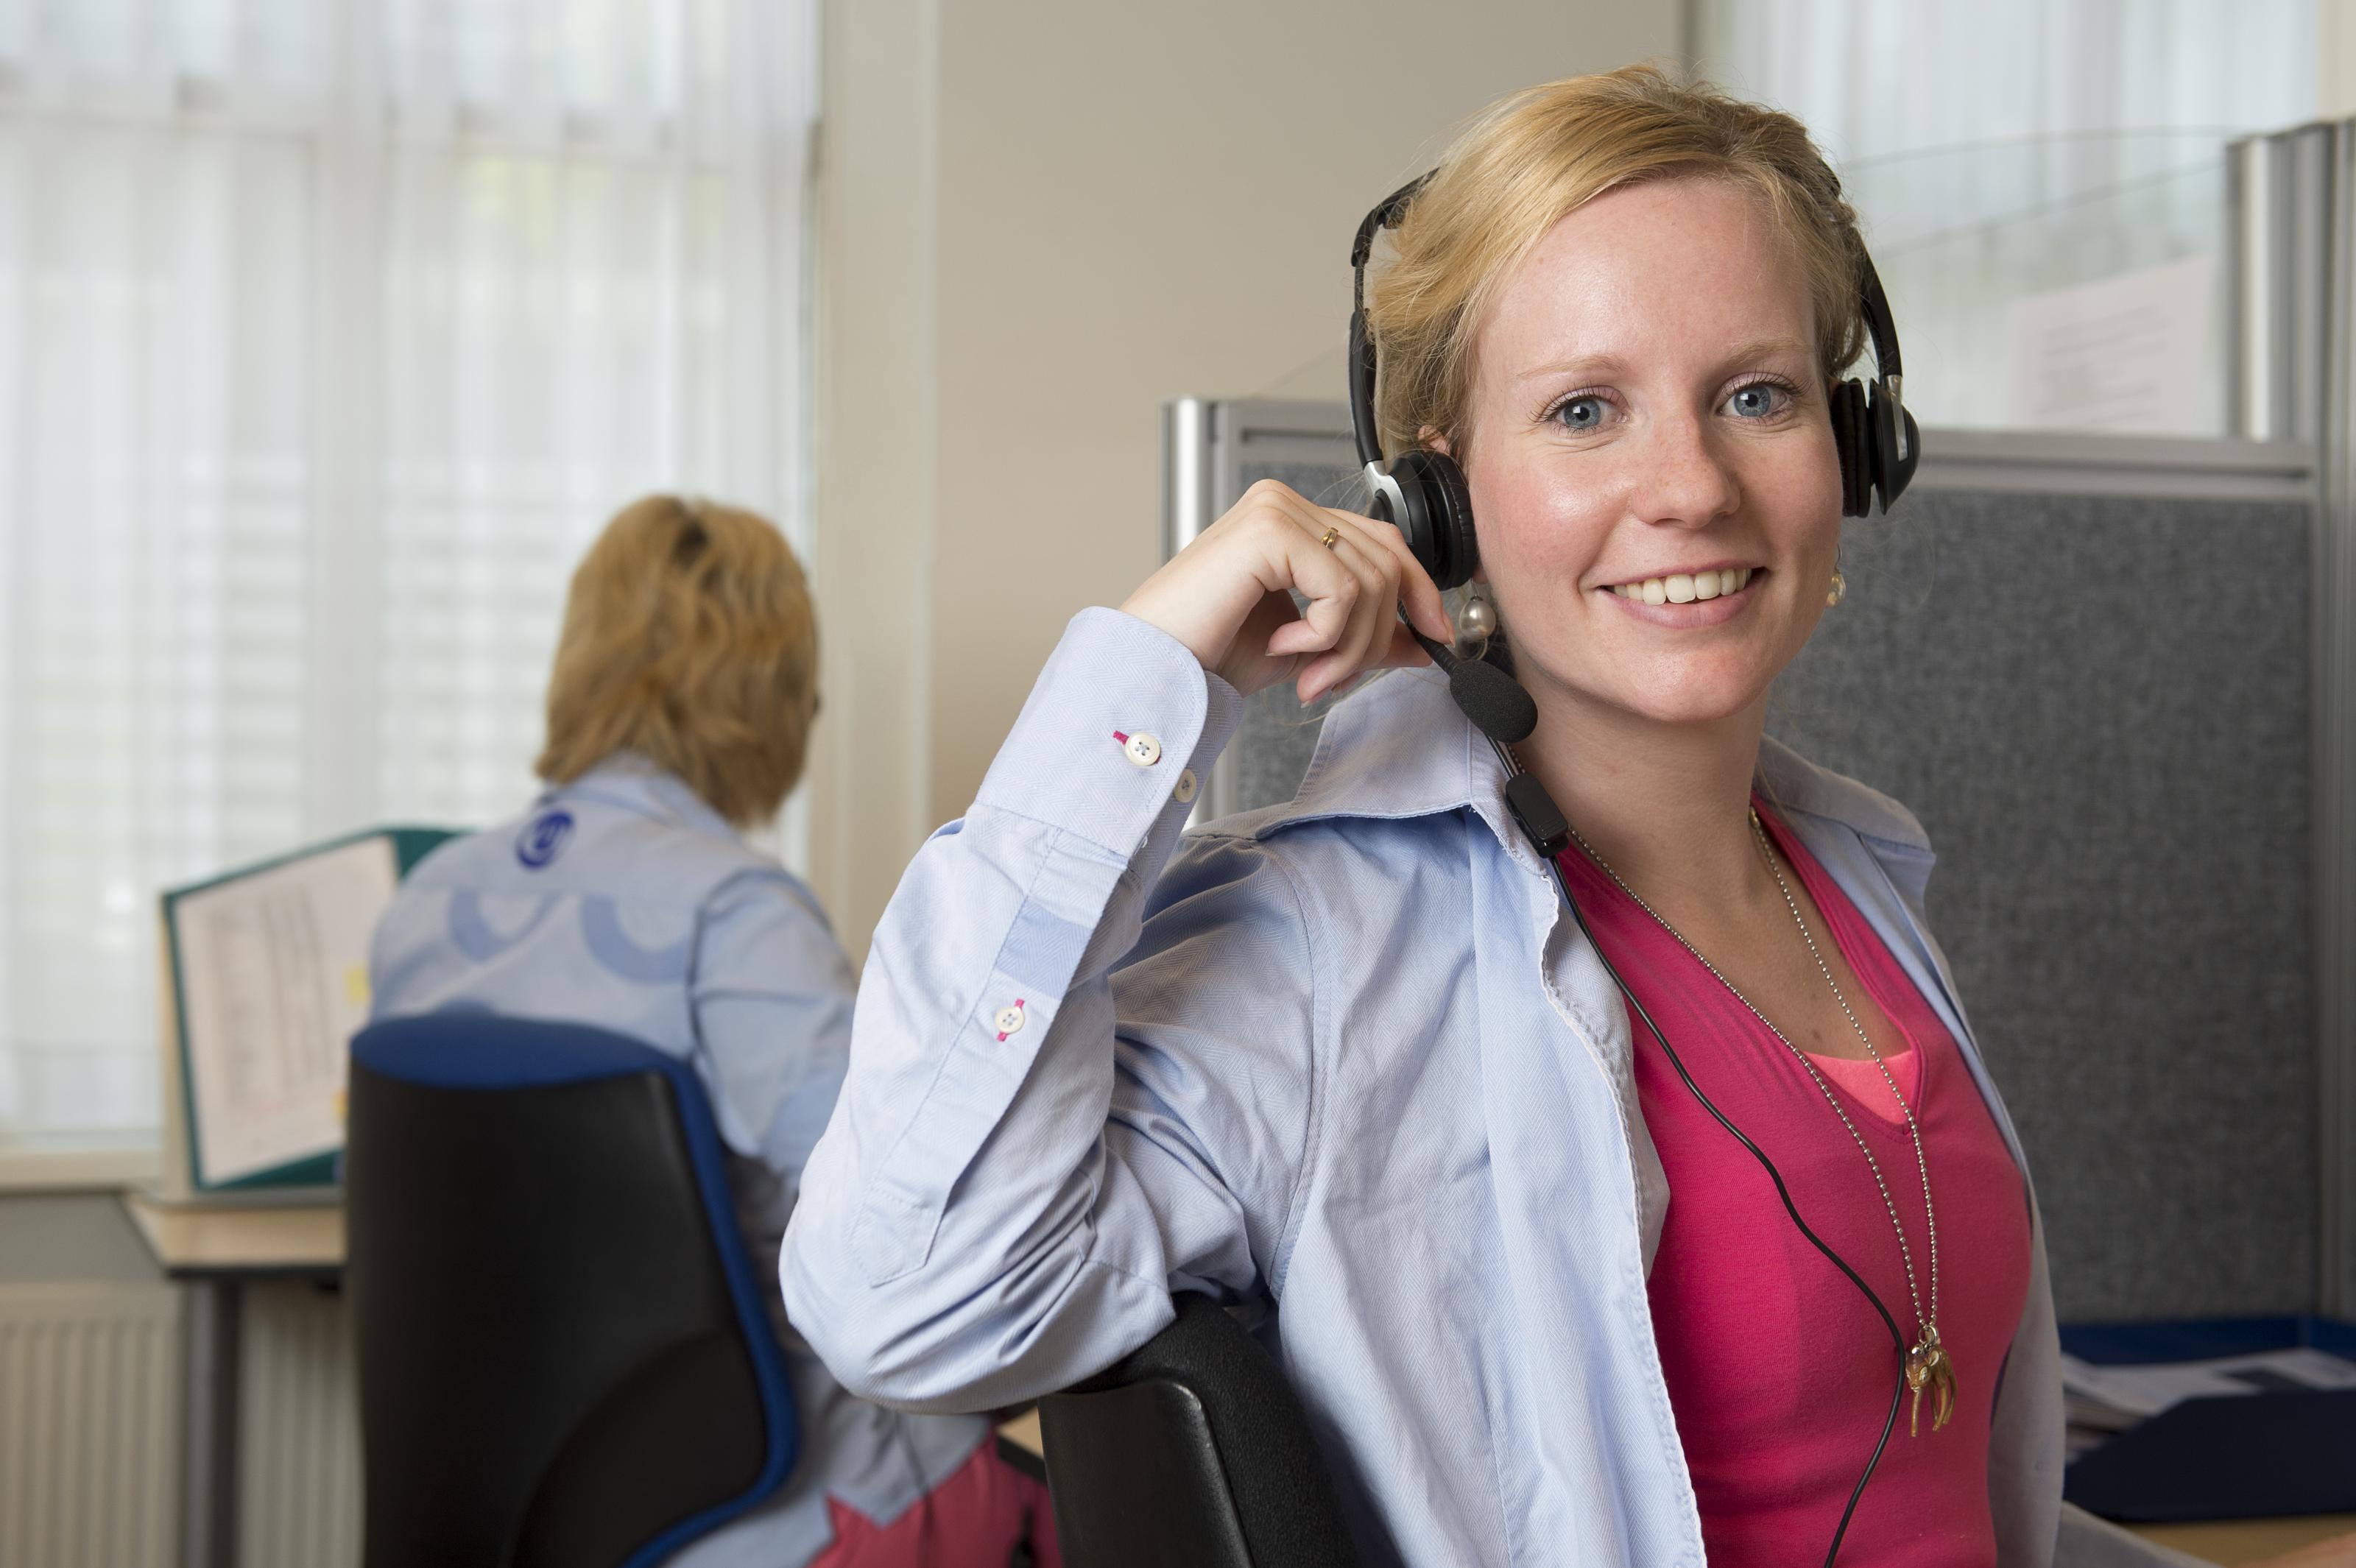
(1194, 1452)
(563, 1355)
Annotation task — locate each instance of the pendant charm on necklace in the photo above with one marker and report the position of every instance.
(1927, 1366)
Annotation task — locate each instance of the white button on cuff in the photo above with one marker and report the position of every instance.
(1143, 749)
(1009, 1020)
(1184, 793)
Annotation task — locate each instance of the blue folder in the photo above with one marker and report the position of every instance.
(2256, 1455)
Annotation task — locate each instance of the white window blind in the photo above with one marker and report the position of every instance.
(330, 333)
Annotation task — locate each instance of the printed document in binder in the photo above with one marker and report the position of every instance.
(269, 984)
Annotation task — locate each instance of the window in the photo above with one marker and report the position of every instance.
(330, 333)
(2020, 162)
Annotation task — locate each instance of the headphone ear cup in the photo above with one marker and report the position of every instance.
(1439, 526)
(1891, 471)
(1853, 443)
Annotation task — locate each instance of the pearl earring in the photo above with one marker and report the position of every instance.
(1476, 622)
(1839, 589)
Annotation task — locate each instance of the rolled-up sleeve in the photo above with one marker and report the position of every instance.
(1078, 1080)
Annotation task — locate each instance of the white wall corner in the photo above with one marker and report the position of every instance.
(874, 498)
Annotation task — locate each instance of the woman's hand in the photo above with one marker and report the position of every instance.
(1228, 595)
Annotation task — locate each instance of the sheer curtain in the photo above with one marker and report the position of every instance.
(331, 332)
(2012, 148)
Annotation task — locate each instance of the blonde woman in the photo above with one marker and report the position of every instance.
(681, 701)
(1346, 1058)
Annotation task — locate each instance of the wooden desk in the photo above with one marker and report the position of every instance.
(214, 1249)
(2247, 1540)
(1024, 1433)
(194, 1241)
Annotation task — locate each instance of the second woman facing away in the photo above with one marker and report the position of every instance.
(1348, 1058)
(684, 693)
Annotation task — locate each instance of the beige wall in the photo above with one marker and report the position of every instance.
(1038, 221)
(2335, 59)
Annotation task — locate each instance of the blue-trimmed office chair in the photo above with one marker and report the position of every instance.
(564, 1358)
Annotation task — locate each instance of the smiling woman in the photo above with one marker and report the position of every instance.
(1342, 1059)
(1655, 361)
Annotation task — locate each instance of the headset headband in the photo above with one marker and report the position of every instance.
(1385, 214)
(1880, 330)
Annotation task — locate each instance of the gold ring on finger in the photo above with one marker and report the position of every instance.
(1329, 536)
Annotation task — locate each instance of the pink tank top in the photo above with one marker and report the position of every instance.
(1779, 1371)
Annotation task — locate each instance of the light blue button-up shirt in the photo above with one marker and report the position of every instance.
(623, 901)
(1343, 1055)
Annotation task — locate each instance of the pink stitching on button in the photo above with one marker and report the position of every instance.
(1002, 1037)
(1119, 736)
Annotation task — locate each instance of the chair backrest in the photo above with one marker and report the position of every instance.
(1194, 1452)
(564, 1358)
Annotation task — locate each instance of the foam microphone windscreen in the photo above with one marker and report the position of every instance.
(1494, 700)
(1486, 695)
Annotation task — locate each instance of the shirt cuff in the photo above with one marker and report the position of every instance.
(1121, 728)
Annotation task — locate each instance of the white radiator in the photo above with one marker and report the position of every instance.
(90, 1426)
(298, 1408)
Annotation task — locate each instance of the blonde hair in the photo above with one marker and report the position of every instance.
(689, 639)
(1541, 152)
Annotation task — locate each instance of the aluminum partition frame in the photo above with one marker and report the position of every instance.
(1208, 444)
(2291, 266)
(2278, 264)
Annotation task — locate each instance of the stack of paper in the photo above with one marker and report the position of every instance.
(267, 981)
(2102, 1400)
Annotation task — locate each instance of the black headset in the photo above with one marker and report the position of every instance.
(1423, 494)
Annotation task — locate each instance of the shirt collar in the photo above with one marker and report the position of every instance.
(633, 783)
(1399, 747)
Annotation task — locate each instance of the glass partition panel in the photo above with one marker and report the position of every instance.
(2073, 282)
(2044, 184)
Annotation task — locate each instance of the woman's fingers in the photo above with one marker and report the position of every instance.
(1346, 628)
(1220, 595)
(1332, 582)
(1365, 638)
(1329, 566)
(1414, 589)
(1392, 579)
(1398, 581)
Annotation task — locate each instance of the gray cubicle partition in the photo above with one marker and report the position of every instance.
(2084, 663)
(2291, 371)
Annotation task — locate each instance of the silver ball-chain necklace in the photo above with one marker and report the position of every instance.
(1927, 1363)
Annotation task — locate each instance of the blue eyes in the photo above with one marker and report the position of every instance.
(1757, 400)
(1580, 413)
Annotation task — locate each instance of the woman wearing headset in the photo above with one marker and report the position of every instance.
(1347, 1056)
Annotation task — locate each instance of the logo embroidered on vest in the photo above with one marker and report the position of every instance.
(543, 839)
